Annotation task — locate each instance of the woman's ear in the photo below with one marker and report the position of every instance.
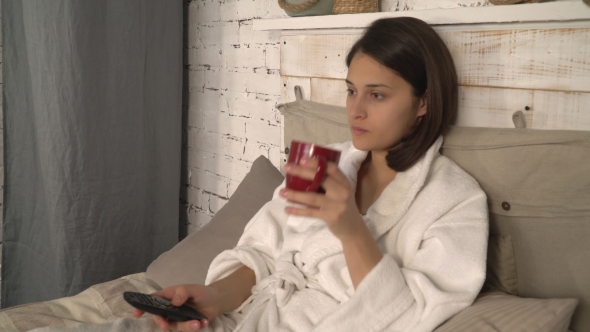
(422, 105)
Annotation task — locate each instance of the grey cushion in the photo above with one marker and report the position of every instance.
(538, 185)
(188, 261)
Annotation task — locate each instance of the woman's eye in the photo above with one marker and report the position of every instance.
(377, 95)
(350, 92)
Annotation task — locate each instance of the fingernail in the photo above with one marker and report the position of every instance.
(304, 161)
(283, 192)
(194, 326)
(288, 167)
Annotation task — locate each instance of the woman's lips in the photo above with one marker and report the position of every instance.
(358, 131)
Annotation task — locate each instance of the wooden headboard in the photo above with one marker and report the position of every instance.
(533, 58)
(544, 72)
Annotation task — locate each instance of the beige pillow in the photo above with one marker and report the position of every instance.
(314, 122)
(499, 312)
(537, 182)
(188, 261)
(538, 188)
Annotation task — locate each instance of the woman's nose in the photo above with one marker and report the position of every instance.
(356, 108)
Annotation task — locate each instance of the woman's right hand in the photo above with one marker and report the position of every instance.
(202, 298)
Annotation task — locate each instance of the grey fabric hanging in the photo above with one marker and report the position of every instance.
(92, 129)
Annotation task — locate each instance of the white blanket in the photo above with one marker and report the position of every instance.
(144, 324)
(431, 223)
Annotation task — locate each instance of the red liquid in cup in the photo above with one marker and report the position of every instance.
(300, 150)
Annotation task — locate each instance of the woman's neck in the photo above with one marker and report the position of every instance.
(373, 176)
(376, 167)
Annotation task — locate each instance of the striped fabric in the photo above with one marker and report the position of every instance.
(98, 304)
(500, 312)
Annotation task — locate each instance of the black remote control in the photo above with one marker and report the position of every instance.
(162, 307)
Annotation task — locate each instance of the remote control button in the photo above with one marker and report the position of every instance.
(162, 301)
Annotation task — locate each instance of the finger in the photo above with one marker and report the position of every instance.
(309, 162)
(177, 295)
(166, 293)
(302, 197)
(336, 183)
(180, 296)
(304, 212)
(336, 173)
(308, 171)
(191, 325)
(303, 171)
(138, 313)
(161, 322)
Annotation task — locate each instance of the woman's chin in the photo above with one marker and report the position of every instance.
(359, 145)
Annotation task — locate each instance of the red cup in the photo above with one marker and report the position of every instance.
(300, 150)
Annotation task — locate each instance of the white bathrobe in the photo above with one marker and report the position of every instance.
(431, 224)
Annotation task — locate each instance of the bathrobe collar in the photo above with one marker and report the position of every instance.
(397, 197)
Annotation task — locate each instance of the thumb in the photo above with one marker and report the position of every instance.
(180, 296)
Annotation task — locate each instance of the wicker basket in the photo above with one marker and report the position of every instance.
(512, 2)
(355, 6)
(307, 7)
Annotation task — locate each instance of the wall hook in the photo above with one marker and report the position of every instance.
(518, 119)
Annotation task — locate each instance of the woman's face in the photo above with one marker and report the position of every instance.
(380, 104)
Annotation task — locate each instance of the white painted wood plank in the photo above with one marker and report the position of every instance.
(492, 107)
(478, 106)
(535, 12)
(561, 110)
(547, 59)
(315, 56)
(328, 91)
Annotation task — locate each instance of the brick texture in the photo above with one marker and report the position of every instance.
(233, 86)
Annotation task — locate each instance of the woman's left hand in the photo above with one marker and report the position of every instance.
(337, 207)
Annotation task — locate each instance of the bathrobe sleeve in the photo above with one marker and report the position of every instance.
(426, 280)
(262, 240)
(258, 246)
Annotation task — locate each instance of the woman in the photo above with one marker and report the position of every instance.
(398, 241)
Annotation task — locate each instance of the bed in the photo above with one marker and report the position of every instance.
(537, 185)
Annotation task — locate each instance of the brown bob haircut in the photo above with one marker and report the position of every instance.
(412, 49)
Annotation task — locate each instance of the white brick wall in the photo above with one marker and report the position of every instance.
(233, 88)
